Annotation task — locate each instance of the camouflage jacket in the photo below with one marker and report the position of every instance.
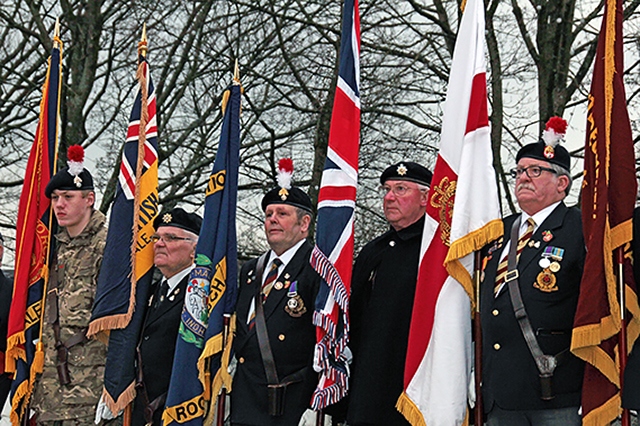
(78, 264)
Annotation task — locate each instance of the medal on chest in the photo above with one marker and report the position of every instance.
(295, 305)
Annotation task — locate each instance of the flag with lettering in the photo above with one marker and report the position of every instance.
(127, 266)
(203, 348)
(463, 215)
(332, 256)
(608, 197)
(35, 227)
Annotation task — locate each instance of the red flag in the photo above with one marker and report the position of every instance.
(608, 198)
(33, 245)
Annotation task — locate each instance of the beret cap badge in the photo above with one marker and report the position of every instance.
(402, 169)
(167, 218)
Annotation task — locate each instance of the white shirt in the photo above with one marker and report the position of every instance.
(175, 280)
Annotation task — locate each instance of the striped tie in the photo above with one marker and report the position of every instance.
(266, 288)
(503, 266)
(271, 277)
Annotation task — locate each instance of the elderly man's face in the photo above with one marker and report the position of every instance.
(174, 251)
(534, 194)
(283, 227)
(404, 203)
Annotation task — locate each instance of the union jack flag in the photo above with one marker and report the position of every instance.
(332, 256)
(126, 270)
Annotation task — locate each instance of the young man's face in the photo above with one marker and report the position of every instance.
(72, 208)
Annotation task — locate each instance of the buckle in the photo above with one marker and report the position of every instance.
(511, 275)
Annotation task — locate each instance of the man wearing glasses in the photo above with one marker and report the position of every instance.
(383, 287)
(529, 375)
(174, 250)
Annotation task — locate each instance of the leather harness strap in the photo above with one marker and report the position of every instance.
(53, 318)
(546, 363)
(261, 328)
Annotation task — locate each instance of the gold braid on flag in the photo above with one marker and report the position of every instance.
(466, 245)
(142, 138)
(586, 339)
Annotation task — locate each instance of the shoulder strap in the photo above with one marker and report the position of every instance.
(261, 327)
(546, 363)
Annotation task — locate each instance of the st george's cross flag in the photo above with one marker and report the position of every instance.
(463, 215)
(608, 197)
(34, 249)
(332, 256)
(200, 367)
(127, 266)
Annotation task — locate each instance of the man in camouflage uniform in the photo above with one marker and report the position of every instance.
(80, 244)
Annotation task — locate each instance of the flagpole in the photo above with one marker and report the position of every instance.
(220, 406)
(622, 337)
(477, 330)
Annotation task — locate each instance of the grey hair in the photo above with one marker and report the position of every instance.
(561, 171)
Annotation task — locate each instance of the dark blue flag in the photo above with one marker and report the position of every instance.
(201, 357)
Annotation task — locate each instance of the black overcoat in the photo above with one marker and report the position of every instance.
(509, 374)
(6, 291)
(157, 346)
(292, 342)
(383, 289)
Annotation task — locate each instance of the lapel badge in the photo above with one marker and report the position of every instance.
(546, 281)
(533, 243)
(295, 306)
(286, 276)
(287, 283)
(278, 285)
(547, 236)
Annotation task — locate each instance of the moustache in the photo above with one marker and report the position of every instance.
(525, 186)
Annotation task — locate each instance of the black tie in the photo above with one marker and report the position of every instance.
(164, 289)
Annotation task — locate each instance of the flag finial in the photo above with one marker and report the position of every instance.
(236, 73)
(56, 34)
(142, 44)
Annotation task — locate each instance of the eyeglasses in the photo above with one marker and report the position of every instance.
(531, 171)
(398, 190)
(169, 238)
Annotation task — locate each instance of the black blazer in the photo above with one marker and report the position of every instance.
(292, 342)
(631, 391)
(157, 346)
(509, 373)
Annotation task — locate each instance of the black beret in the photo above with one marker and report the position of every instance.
(293, 196)
(65, 181)
(557, 155)
(407, 170)
(180, 219)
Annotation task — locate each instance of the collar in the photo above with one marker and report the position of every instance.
(285, 257)
(175, 280)
(96, 221)
(411, 231)
(539, 217)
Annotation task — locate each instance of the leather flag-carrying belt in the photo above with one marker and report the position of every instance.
(53, 318)
(546, 363)
(276, 389)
